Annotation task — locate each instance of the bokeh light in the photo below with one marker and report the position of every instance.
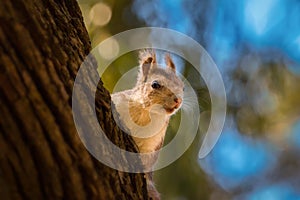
(100, 14)
(109, 49)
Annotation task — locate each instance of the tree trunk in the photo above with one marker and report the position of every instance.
(42, 44)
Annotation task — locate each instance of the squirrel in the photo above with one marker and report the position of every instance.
(146, 109)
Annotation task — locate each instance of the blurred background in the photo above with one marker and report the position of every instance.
(256, 46)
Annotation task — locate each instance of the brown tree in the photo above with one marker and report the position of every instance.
(42, 45)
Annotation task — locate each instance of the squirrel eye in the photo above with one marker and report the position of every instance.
(155, 85)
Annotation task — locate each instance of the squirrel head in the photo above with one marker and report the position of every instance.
(158, 87)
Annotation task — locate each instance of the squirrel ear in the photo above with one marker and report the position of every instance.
(147, 60)
(170, 62)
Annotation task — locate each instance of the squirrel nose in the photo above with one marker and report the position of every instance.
(177, 100)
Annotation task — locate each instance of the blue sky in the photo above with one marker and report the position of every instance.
(237, 159)
(262, 25)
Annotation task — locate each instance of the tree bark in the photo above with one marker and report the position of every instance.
(42, 45)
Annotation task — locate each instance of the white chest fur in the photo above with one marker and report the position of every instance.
(148, 137)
